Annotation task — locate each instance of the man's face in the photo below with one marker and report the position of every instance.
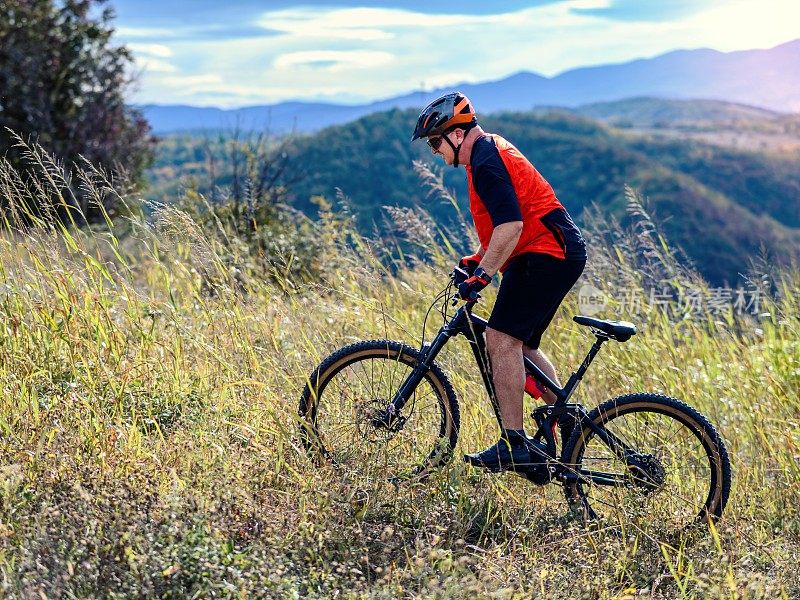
(441, 147)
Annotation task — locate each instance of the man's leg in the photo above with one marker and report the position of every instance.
(508, 373)
(541, 360)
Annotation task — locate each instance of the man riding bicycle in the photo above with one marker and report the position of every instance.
(526, 234)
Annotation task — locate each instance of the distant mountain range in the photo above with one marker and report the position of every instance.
(769, 79)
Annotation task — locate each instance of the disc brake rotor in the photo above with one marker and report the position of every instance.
(374, 423)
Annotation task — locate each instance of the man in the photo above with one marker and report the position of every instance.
(525, 234)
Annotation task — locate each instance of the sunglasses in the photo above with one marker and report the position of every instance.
(435, 142)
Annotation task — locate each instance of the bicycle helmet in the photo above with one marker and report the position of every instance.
(444, 113)
(448, 112)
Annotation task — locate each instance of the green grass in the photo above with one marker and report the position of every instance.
(149, 448)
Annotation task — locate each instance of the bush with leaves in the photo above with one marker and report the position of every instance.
(277, 243)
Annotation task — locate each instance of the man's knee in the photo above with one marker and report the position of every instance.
(531, 353)
(501, 343)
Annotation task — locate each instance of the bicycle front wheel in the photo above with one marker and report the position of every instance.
(343, 410)
(664, 466)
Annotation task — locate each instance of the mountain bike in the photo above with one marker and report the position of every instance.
(390, 407)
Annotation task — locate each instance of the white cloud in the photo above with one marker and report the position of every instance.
(311, 27)
(137, 33)
(364, 24)
(149, 57)
(339, 58)
(156, 50)
(757, 25)
(154, 65)
(187, 84)
(359, 18)
(197, 79)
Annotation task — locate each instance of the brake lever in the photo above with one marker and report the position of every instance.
(456, 297)
(458, 276)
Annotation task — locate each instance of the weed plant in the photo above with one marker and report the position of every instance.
(150, 375)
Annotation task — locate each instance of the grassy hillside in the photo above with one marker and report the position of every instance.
(660, 112)
(148, 440)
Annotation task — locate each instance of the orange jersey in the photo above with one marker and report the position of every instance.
(546, 226)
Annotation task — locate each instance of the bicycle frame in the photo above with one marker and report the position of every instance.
(472, 327)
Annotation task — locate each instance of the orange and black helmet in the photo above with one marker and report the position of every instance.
(444, 114)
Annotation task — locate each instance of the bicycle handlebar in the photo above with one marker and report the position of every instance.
(459, 275)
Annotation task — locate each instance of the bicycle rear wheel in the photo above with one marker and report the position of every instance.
(675, 473)
(352, 387)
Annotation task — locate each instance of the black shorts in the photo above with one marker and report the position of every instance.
(531, 291)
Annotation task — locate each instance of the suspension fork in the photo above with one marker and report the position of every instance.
(406, 389)
(472, 328)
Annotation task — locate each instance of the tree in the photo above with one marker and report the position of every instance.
(62, 85)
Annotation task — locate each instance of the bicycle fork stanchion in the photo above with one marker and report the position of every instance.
(389, 417)
(471, 327)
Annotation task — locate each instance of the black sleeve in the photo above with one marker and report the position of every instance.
(493, 184)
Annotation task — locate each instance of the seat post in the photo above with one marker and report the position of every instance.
(576, 377)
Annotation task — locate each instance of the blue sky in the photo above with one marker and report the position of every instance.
(243, 52)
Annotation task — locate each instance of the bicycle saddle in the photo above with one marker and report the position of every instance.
(620, 331)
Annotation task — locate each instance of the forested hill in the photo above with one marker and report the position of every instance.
(718, 204)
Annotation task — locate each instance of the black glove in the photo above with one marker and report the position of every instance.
(469, 289)
(470, 263)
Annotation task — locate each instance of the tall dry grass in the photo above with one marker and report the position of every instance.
(148, 446)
